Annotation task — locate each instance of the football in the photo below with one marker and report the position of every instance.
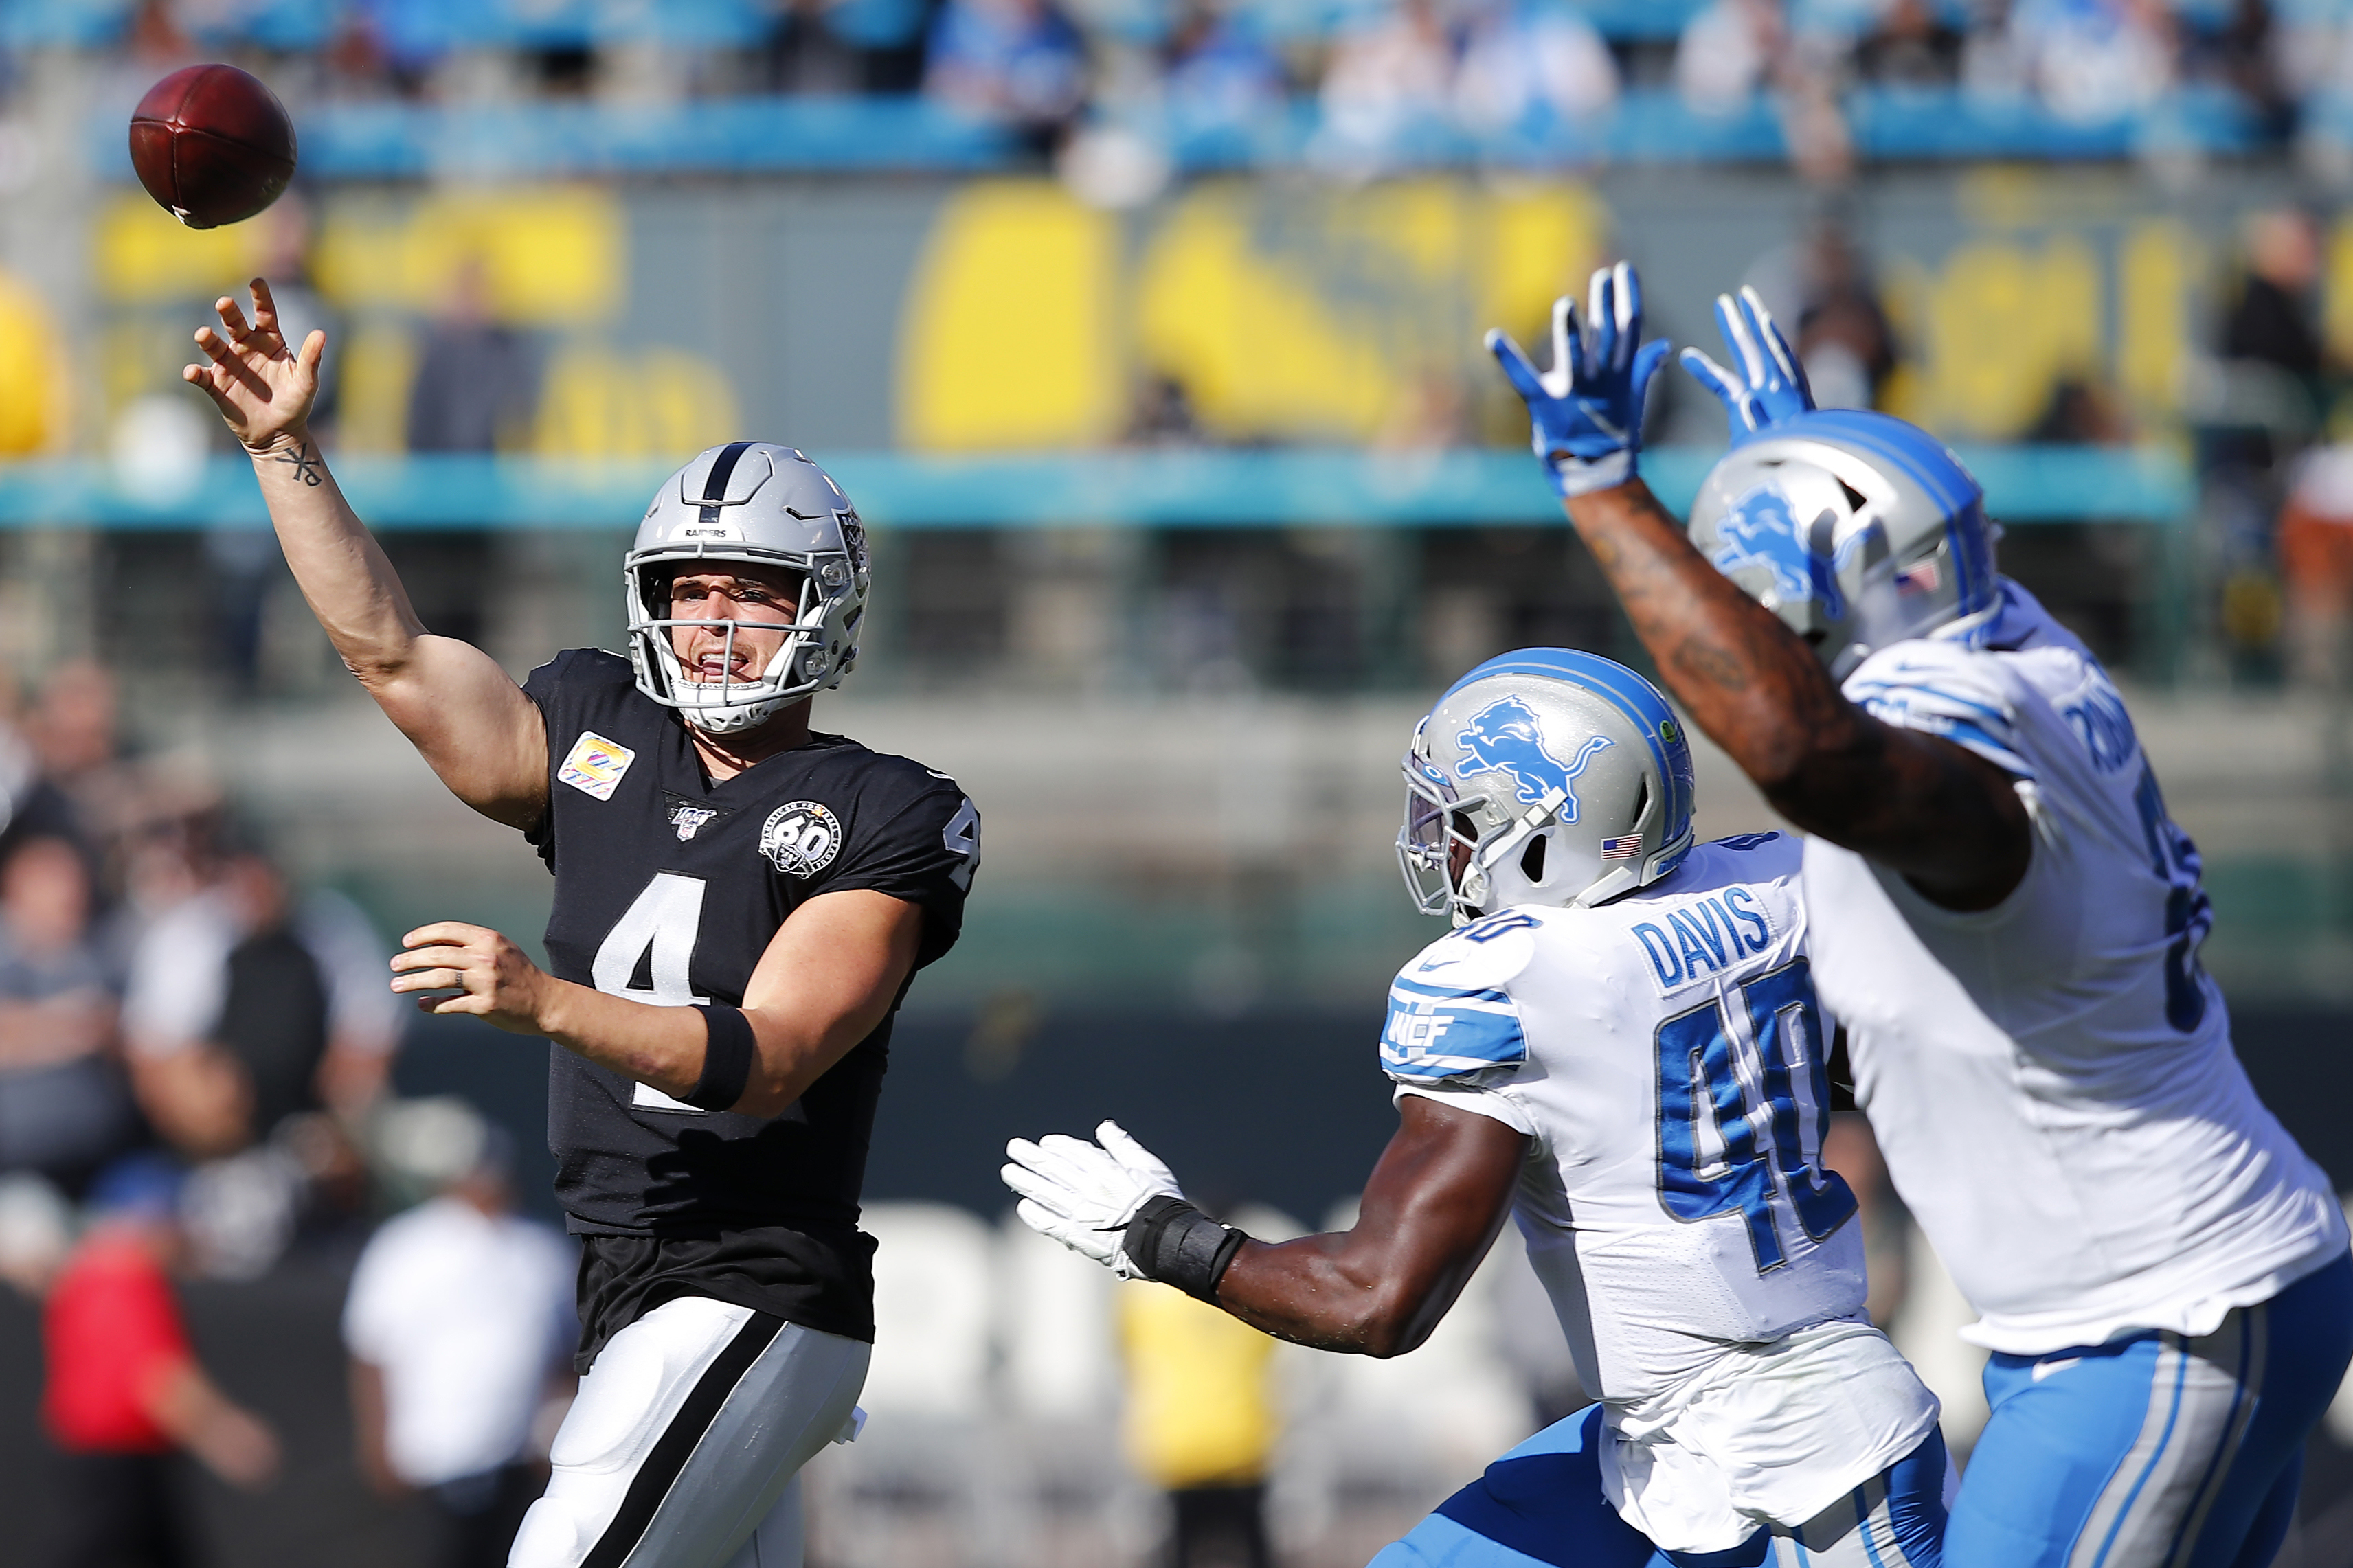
(212, 144)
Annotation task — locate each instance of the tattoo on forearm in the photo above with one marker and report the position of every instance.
(1716, 665)
(304, 462)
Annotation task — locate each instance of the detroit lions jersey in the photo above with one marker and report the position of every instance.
(668, 889)
(2051, 1079)
(1663, 1054)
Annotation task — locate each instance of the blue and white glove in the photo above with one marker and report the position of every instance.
(1083, 1195)
(1771, 385)
(1587, 410)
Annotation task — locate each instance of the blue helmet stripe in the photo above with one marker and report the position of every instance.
(1923, 459)
(1625, 690)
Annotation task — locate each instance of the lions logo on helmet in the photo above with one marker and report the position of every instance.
(1506, 737)
(1546, 777)
(1856, 529)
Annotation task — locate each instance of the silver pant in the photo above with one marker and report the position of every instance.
(684, 1445)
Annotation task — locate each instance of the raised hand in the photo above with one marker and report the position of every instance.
(261, 384)
(1771, 384)
(1586, 412)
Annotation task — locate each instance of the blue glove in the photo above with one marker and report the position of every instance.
(1587, 410)
(1773, 385)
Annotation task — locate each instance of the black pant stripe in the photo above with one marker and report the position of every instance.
(670, 1451)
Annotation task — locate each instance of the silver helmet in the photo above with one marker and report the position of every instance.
(1556, 776)
(750, 501)
(1856, 529)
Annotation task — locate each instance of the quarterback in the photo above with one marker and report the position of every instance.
(2006, 921)
(1619, 1046)
(740, 904)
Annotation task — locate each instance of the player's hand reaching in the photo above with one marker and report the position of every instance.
(1770, 383)
(263, 385)
(475, 970)
(1083, 1195)
(1587, 410)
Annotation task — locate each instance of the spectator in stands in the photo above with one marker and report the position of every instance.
(1387, 84)
(124, 1392)
(74, 730)
(460, 1319)
(1528, 67)
(1844, 339)
(477, 382)
(2274, 319)
(31, 806)
(1727, 52)
(1200, 1422)
(1913, 44)
(1216, 74)
(64, 1110)
(1019, 61)
(250, 1011)
(2316, 558)
(2096, 60)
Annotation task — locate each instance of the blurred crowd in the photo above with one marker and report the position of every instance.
(1213, 78)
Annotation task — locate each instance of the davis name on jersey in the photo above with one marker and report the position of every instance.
(1663, 1054)
(2064, 1049)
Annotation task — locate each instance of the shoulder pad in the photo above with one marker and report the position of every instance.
(1487, 953)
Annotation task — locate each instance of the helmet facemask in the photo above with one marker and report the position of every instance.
(818, 646)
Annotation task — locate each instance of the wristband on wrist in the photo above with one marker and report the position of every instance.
(727, 1056)
(1173, 1242)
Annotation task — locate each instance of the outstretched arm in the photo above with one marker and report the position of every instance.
(1947, 819)
(473, 726)
(1431, 1211)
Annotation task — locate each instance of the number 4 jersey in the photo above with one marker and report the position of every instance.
(1663, 1053)
(2051, 1079)
(668, 889)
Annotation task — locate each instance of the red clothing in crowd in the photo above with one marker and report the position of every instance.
(113, 1332)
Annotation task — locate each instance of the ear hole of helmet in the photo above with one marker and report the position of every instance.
(1532, 858)
(1853, 495)
(1642, 801)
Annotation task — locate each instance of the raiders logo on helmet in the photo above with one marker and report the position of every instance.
(801, 836)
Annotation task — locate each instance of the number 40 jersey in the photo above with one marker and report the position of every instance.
(1663, 1054)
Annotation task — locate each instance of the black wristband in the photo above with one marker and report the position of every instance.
(728, 1054)
(1176, 1244)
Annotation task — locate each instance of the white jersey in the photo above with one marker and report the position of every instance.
(2051, 1080)
(1663, 1054)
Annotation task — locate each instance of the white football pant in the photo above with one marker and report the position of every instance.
(684, 1447)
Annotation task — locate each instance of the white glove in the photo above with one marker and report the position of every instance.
(1082, 1195)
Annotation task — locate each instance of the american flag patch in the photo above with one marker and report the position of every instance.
(1624, 848)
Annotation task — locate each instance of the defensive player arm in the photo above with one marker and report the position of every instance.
(1429, 1212)
(1946, 818)
(472, 724)
(826, 980)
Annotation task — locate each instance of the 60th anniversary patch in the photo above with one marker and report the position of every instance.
(802, 837)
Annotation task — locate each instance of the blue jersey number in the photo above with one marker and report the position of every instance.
(2188, 914)
(1718, 1151)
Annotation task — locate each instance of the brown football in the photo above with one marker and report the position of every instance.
(212, 144)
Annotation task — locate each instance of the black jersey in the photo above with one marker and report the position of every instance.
(668, 889)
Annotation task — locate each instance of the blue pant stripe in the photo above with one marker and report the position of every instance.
(2172, 1418)
(1863, 1512)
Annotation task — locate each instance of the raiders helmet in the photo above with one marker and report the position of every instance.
(751, 501)
(1560, 777)
(1856, 528)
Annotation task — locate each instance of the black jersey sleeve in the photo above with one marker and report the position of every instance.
(924, 851)
(545, 687)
